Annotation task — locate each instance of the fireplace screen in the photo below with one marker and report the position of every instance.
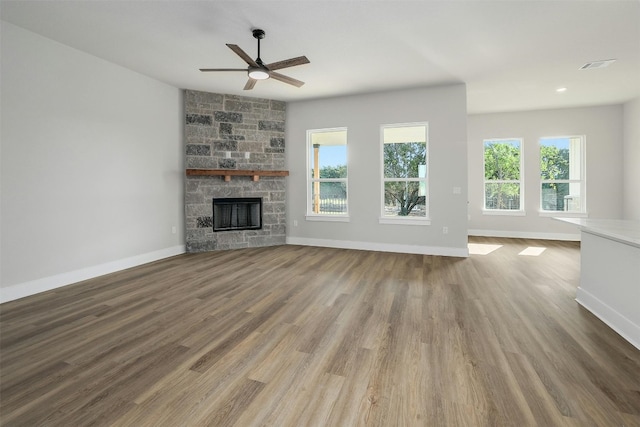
(237, 214)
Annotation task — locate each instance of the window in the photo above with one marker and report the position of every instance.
(404, 166)
(327, 179)
(503, 189)
(562, 174)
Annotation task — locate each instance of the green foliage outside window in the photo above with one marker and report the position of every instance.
(405, 195)
(555, 170)
(554, 162)
(334, 190)
(502, 166)
(501, 161)
(404, 160)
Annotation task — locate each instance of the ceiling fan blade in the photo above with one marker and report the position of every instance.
(285, 79)
(291, 62)
(250, 84)
(242, 54)
(222, 69)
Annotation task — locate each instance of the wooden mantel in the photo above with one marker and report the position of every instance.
(228, 173)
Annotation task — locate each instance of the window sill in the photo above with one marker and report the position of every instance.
(564, 214)
(404, 221)
(504, 212)
(328, 218)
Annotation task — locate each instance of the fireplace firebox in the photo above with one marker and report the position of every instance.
(237, 213)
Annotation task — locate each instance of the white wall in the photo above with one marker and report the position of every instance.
(631, 165)
(603, 129)
(92, 166)
(445, 110)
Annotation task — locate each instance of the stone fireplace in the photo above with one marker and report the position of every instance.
(233, 133)
(237, 213)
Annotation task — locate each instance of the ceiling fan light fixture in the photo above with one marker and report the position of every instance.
(258, 74)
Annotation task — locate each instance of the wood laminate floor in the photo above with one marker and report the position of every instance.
(306, 336)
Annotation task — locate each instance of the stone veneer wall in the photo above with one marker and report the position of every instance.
(218, 124)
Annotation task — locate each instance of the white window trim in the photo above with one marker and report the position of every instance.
(312, 216)
(582, 213)
(409, 220)
(328, 218)
(564, 214)
(404, 221)
(504, 212)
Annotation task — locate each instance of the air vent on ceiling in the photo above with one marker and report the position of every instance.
(597, 64)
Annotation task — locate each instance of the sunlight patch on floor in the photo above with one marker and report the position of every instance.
(482, 248)
(533, 251)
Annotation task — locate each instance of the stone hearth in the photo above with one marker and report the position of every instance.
(233, 132)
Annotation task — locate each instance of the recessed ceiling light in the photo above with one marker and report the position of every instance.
(561, 89)
(597, 64)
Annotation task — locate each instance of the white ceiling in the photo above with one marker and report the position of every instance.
(512, 54)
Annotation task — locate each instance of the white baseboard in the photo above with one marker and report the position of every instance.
(33, 287)
(615, 320)
(380, 247)
(525, 235)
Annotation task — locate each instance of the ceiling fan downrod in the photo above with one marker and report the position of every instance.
(259, 35)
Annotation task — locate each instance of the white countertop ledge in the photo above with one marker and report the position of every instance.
(621, 230)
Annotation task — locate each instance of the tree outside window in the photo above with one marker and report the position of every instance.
(404, 164)
(502, 174)
(562, 174)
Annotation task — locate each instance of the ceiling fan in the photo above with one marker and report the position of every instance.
(257, 70)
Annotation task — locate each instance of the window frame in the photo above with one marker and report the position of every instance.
(582, 181)
(329, 217)
(520, 182)
(408, 220)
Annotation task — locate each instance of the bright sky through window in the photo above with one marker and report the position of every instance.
(333, 155)
(557, 142)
